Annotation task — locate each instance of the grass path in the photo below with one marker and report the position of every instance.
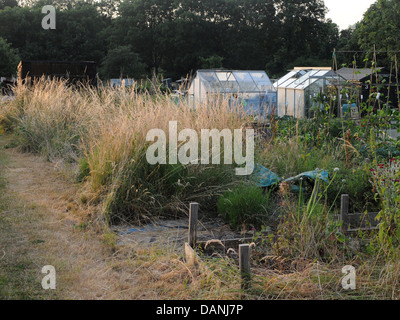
(38, 229)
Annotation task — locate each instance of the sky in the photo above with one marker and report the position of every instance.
(347, 12)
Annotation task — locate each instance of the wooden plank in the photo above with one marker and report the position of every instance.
(228, 243)
(362, 229)
(193, 217)
(244, 265)
(362, 220)
(356, 221)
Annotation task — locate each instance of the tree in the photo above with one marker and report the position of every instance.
(22, 28)
(249, 33)
(78, 34)
(212, 62)
(122, 62)
(175, 37)
(8, 3)
(147, 26)
(348, 42)
(8, 59)
(303, 32)
(381, 27)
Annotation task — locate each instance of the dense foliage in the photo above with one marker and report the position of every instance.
(8, 58)
(380, 28)
(173, 37)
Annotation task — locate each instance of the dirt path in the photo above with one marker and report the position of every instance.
(37, 228)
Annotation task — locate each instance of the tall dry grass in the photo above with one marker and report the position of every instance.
(103, 131)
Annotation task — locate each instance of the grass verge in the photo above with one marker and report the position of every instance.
(20, 277)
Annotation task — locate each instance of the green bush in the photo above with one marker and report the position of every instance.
(245, 204)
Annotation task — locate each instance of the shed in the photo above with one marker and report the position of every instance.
(251, 88)
(297, 89)
(73, 71)
(351, 74)
(380, 80)
(115, 83)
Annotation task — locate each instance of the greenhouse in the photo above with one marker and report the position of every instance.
(298, 88)
(252, 89)
(115, 83)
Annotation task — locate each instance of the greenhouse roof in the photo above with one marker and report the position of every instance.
(301, 79)
(235, 81)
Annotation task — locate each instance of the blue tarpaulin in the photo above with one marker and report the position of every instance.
(321, 174)
(266, 178)
(347, 107)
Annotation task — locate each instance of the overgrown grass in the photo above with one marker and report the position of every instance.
(244, 205)
(103, 132)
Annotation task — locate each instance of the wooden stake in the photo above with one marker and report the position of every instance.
(193, 217)
(244, 265)
(344, 211)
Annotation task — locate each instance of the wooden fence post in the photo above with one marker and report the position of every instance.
(193, 217)
(344, 211)
(244, 265)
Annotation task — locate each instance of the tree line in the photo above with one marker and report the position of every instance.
(137, 38)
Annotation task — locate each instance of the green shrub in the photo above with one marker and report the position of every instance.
(245, 204)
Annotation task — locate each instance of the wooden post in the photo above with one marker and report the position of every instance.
(344, 211)
(193, 217)
(244, 265)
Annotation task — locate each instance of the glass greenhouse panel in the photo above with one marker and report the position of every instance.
(245, 81)
(235, 81)
(289, 78)
(262, 80)
(228, 82)
(252, 90)
(210, 82)
(286, 83)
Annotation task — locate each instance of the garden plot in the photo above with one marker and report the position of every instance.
(173, 232)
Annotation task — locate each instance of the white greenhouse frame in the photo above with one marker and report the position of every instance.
(253, 89)
(296, 90)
